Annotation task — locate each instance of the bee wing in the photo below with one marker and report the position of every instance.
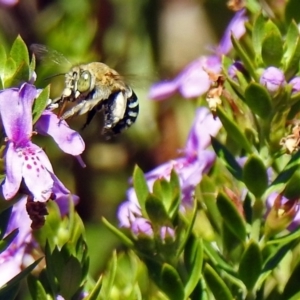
(43, 53)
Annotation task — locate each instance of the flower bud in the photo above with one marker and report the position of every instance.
(282, 214)
(295, 82)
(167, 234)
(272, 78)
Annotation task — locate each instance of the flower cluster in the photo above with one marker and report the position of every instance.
(197, 160)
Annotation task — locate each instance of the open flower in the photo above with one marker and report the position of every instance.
(194, 80)
(24, 161)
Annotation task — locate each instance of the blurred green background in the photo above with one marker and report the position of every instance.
(148, 40)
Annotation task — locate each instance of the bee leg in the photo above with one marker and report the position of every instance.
(89, 118)
(73, 111)
(81, 108)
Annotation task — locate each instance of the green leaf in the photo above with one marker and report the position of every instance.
(255, 175)
(156, 211)
(4, 243)
(234, 130)
(9, 70)
(93, 295)
(37, 291)
(250, 265)
(272, 49)
(118, 233)
(40, 103)
(216, 284)
(248, 62)
(227, 158)
(140, 186)
(258, 35)
(258, 99)
(292, 11)
(231, 216)
(176, 195)
(70, 277)
(108, 281)
(280, 181)
(292, 286)
(193, 260)
(171, 283)
(19, 52)
(291, 45)
(215, 257)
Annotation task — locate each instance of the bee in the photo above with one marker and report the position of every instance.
(96, 87)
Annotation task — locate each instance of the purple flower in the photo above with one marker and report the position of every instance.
(272, 78)
(24, 161)
(11, 258)
(282, 213)
(194, 80)
(295, 82)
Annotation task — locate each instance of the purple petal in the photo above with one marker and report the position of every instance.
(162, 90)
(272, 78)
(36, 176)
(205, 126)
(13, 164)
(142, 226)
(295, 82)
(62, 196)
(236, 28)
(15, 111)
(67, 139)
(127, 213)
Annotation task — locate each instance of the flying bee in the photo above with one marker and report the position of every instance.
(95, 87)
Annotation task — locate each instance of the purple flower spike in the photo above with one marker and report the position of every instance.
(67, 139)
(295, 82)
(272, 78)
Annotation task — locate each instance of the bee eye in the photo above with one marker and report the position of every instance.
(84, 82)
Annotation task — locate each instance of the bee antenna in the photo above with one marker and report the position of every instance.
(52, 76)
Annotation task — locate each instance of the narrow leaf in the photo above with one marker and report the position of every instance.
(255, 175)
(234, 130)
(227, 158)
(216, 284)
(171, 283)
(258, 99)
(231, 216)
(250, 265)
